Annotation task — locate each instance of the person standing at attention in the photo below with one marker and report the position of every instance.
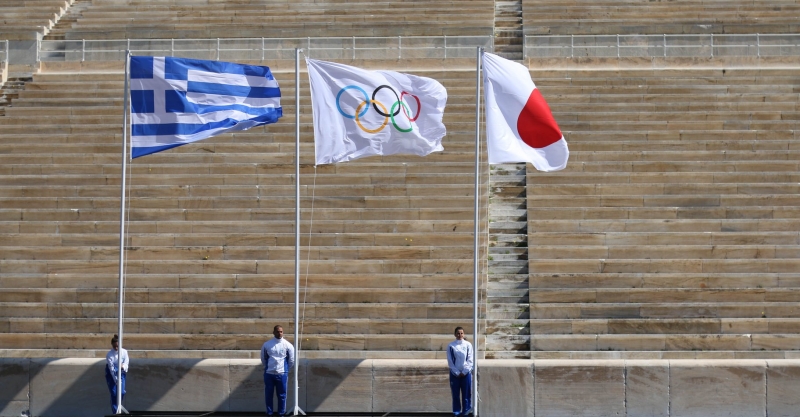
(277, 356)
(112, 358)
(460, 357)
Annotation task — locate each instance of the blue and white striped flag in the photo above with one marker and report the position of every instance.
(175, 101)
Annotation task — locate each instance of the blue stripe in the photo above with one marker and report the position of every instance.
(161, 129)
(138, 151)
(233, 90)
(143, 101)
(141, 67)
(178, 68)
(176, 102)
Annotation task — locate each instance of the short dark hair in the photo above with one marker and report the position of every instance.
(115, 339)
(277, 326)
(457, 329)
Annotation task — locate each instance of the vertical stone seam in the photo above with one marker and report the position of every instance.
(372, 390)
(30, 366)
(669, 387)
(532, 412)
(625, 386)
(228, 378)
(494, 20)
(766, 387)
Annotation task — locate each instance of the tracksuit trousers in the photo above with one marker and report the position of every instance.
(275, 383)
(111, 381)
(461, 385)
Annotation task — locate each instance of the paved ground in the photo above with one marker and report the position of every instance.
(261, 414)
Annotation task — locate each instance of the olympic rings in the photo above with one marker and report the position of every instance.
(385, 119)
(419, 106)
(375, 93)
(338, 96)
(405, 111)
(372, 102)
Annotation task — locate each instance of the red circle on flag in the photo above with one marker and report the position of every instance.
(536, 125)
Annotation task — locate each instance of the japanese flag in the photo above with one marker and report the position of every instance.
(519, 124)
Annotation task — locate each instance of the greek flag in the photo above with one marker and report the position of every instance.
(175, 101)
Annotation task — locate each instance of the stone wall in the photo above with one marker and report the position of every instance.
(76, 387)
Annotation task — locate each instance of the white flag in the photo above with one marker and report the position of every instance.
(519, 124)
(359, 113)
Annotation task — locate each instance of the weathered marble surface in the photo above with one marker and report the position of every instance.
(547, 388)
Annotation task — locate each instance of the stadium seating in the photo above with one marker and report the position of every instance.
(211, 235)
(23, 20)
(140, 19)
(589, 17)
(673, 232)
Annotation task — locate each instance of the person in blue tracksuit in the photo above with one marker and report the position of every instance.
(277, 356)
(112, 357)
(460, 358)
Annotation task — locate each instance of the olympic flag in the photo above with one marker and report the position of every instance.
(359, 113)
(519, 124)
(175, 101)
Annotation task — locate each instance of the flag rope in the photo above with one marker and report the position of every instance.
(308, 257)
(127, 241)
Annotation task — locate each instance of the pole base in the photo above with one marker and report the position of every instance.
(298, 411)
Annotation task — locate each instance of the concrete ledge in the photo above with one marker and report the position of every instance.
(468, 64)
(736, 388)
(600, 63)
(279, 65)
(579, 388)
(76, 386)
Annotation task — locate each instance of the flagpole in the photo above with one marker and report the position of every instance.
(476, 225)
(297, 408)
(122, 229)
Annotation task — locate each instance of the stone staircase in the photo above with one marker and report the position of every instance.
(508, 29)
(11, 88)
(610, 17)
(210, 265)
(672, 234)
(27, 20)
(200, 19)
(508, 330)
(66, 21)
(673, 231)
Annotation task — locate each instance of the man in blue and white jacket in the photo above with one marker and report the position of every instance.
(277, 356)
(460, 357)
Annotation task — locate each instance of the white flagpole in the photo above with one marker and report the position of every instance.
(297, 408)
(122, 229)
(477, 202)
